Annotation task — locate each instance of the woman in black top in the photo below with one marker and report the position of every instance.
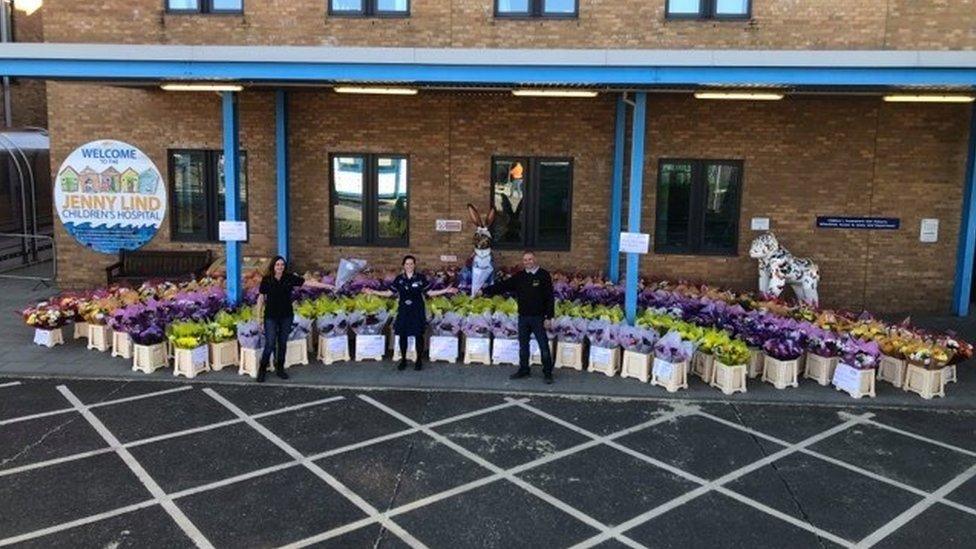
(275, 300)
(411, 319)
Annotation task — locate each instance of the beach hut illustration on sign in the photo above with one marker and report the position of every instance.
(110, 181)
(130, 181)
(89, 180)
(148, 181)
(69, 180)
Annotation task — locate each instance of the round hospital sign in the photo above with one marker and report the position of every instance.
(110, 196)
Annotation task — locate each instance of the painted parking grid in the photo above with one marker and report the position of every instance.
(232, 465)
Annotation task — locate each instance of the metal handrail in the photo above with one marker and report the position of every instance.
(54, 258)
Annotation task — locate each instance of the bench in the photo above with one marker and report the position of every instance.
(137, 266)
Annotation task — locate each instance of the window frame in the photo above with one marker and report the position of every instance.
(530, 223)
(204, 7)
(370, 229)
(211, 164)
(707, 10)
(370, 9)
(536, 11)
(696, 214)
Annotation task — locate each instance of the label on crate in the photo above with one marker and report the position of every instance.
(337, 345)
(847, 378)
(477, 345)
(43, 337)
(663, 369)
(568, 353)
(370, 345)
(443, 348)
(600, 355)
(506, 350)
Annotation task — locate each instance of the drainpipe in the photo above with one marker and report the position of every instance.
(5, 31)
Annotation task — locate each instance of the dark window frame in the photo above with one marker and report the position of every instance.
(707, 11)
(211, 185)
(370, 9)
(696, 217)
(370, 229)
(536, 11)
(530, 221)
(204, 7)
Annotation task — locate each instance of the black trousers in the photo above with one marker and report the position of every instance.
(276, 331)
(405, 339)
(533, 326)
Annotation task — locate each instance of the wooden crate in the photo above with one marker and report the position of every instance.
(857, 383)
(296, 352)
(892, 370)
(702, 364)
(637, 366)
(250, 360)
(81, 330)
(48, 338)
(477, 350)
(820, 368)
(604, 360)
(149, 358)
(223, 354)
(781, 373)
(756, 362)
(926, 383)
(670, 375)
(949, 374)
(505, 351)
(370, 347)
(121, 345)
(99, 337)
(190, 362)
(443, 348)
(569, 355)
(333, 349)
(730, 379)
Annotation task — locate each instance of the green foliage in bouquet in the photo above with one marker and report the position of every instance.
(187, 335)
(370, 304)
(731, 353)
(502, 305)
(712, 338)
(440, 305)
(660, 322)
(224, 326)
(307, 309)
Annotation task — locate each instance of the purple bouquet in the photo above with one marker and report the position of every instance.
(333, 325)
(570, 329)
(861, 355)
(671, 348)
(602, 333)
(300, 328)
(371, 324)
(249, 335)
(786, 346)
(637, 339)
(504, 326)
(477, 325)
(823, 342)
(447, 324)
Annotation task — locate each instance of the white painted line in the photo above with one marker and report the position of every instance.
(11, 384)
(317, 471)
(157, 492)
(969, 453)
(96, 405)
(916, 509)
(75, 523)
(555, 502)
(50, 462)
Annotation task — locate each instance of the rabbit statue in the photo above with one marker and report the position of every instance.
(480, 268)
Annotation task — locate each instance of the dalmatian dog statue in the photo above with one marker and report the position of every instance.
(778, 267)
(480, 269)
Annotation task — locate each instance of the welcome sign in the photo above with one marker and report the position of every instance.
(109, 196)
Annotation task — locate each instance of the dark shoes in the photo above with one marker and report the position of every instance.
(260, 378)
(402, 365)
(520, 374)
(548, 379)
(280, 372)
(418, 366)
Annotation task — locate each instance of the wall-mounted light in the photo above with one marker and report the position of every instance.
(370, 90)
(901, 98)
(28, 6)
(203, 87)
(739, 96)
(554, 93)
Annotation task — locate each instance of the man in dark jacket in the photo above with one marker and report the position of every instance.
(536, 307)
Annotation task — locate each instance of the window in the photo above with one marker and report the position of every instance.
(537, 8)
(367, 8)
(708, 9)
(205, 6)
(533, 202)
(369, 200)
(197, 194)
(698, 207)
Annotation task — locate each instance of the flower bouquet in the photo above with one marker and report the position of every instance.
(477, 332)
(47, 319)
(570, 332)
(445, 328)
(189, 338)
(367, 322)
(504, 331)
(348, 269)
(222, 335)
(782, 364)
(823, 350)
(250, 337)
(671, 356)
(926, 363)
(731, 358)
(638, 345)
(604, 338)
(855, 374)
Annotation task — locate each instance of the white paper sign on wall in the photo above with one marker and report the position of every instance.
(232, 231)
(929, 231)
(448, 225)
(760, 223)
(634, 243)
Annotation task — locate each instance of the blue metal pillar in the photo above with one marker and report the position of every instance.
(634, 200)
(617, 189)
(281, 170)
(232, 161)
(967, 230)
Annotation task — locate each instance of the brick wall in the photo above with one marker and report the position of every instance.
(27, 96)
(803, 156)
(776, 24)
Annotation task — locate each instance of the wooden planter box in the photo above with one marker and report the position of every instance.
(637, 365)
(99, 337)
(756, 362)
(81, 330)
(411, 348)
(250, 360)
(949, 374)
(505, 351)
(604, 360)
(535, 354)
(702, 364)
(569, 355)
(121, 345)
(670, 375)
(820, 368)
(730, 379)
(296, 352)
(370, 347)
(333, 349)
(857, 383)
(223, 354)
(926, 383)
(892, 370)
(781, 373)
(190, 362)
(148, 358)
(48, 338)
(443, 348)
(477, 350)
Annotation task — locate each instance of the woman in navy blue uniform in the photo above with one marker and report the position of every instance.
(411, 287)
